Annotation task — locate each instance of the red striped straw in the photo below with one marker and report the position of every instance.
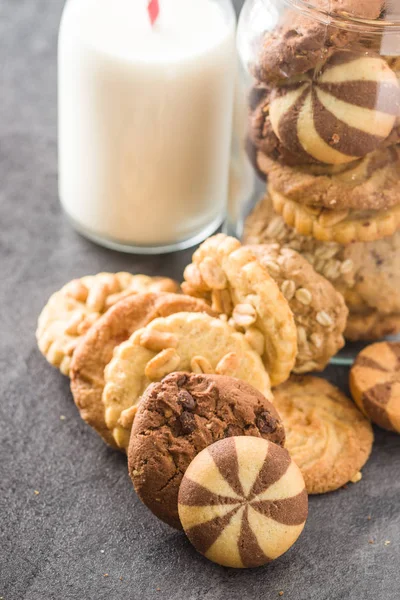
(153, 10)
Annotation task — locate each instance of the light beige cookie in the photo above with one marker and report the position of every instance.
(182, 342)
(231, 278)
(366, 273)
(96, 348)
(71, 311)
(319, 310)
(326, 435)
(341, 226)
(371, 326)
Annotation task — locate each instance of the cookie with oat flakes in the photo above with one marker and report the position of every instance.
(71, 311)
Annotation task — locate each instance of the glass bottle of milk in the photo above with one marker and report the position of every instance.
(145, 120)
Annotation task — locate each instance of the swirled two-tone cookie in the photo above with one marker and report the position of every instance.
(319, 310)
(235, 283)
(242, 502)
(181, 342)
(180, 416)
(375, 384)
(342, 226)
(71, 311)
(95, 350)
(326, 435)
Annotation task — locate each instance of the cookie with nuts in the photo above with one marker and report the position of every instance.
(180, 416)
(326, 435)
(184, 341)
(71, 311)
(234, 282)
(96, 348)
(319, 310)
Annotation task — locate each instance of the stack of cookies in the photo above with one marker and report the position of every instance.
(325, 133)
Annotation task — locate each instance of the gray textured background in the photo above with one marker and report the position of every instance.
(86, 520)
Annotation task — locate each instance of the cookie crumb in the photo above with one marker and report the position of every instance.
(356, 478)
(387, 542)
(62, 417)
(371, 542)
(280, 593)
(102, 551)
(36, 492)
(369, 518)
(121, 578)
(105, 574)
(158, 589)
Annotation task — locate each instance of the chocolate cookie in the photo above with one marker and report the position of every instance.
(180, 416)
(96, 348)
(375, 384)
(242, 502)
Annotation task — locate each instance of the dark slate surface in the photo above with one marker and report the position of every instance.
(86, 520)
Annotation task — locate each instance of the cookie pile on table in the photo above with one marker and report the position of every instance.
(324, 131)
(203, 386)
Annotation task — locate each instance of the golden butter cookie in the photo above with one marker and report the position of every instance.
(371, 325)
(375, 384)
(71, 311)
(371, 183)
(233, 281)
(326, 435)
(341, 226)
(319, 310)
(180, 416)
(95, 349)
(242, 502)
(181, 342)
(366, 273)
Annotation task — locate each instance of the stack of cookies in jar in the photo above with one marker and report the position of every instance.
(324, 131)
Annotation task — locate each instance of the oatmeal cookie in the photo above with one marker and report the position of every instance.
(181, 342)
(71, 311)
(180, 416)
(326, 435)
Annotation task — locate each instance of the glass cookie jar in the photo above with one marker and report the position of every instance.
(323, 131)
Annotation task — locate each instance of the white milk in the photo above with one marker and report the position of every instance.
(145, 118)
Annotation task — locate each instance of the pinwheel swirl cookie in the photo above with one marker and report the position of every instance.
(242, 502)
(326, 435)
(96, 348)
(71, 311)
(319, 310)
(235, 283)
(375, 384)
(182, 342)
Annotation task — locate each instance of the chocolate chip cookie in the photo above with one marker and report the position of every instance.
(180, 416)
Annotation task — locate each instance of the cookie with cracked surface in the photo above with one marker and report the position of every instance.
(180, 416)
(371, 325)
(242, 502)
(341, 226)
(327, 436)
(71, 311)
(96, 348)
(234, 282)
(366, 273)
(371, 183)
(184, 341)
(300, 43)
(375, 384)
(319, 310)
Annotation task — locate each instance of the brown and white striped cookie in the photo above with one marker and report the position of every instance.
(342, 113)
(327, 436)
(71, 311)
(234, 282)
(341, 226)
(242, 502)
(375, 384)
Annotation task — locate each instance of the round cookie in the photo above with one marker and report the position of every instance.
(231, 278)
(326, 435)
(339, 114)
(242, 502)
(96, 348)
(179, 417)
(371, 183)
(71, 311)
(375, 384)
(341, 226)
(319, 310)
(371, 326)
(366, 273)
(181, 342)
(300, 42)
